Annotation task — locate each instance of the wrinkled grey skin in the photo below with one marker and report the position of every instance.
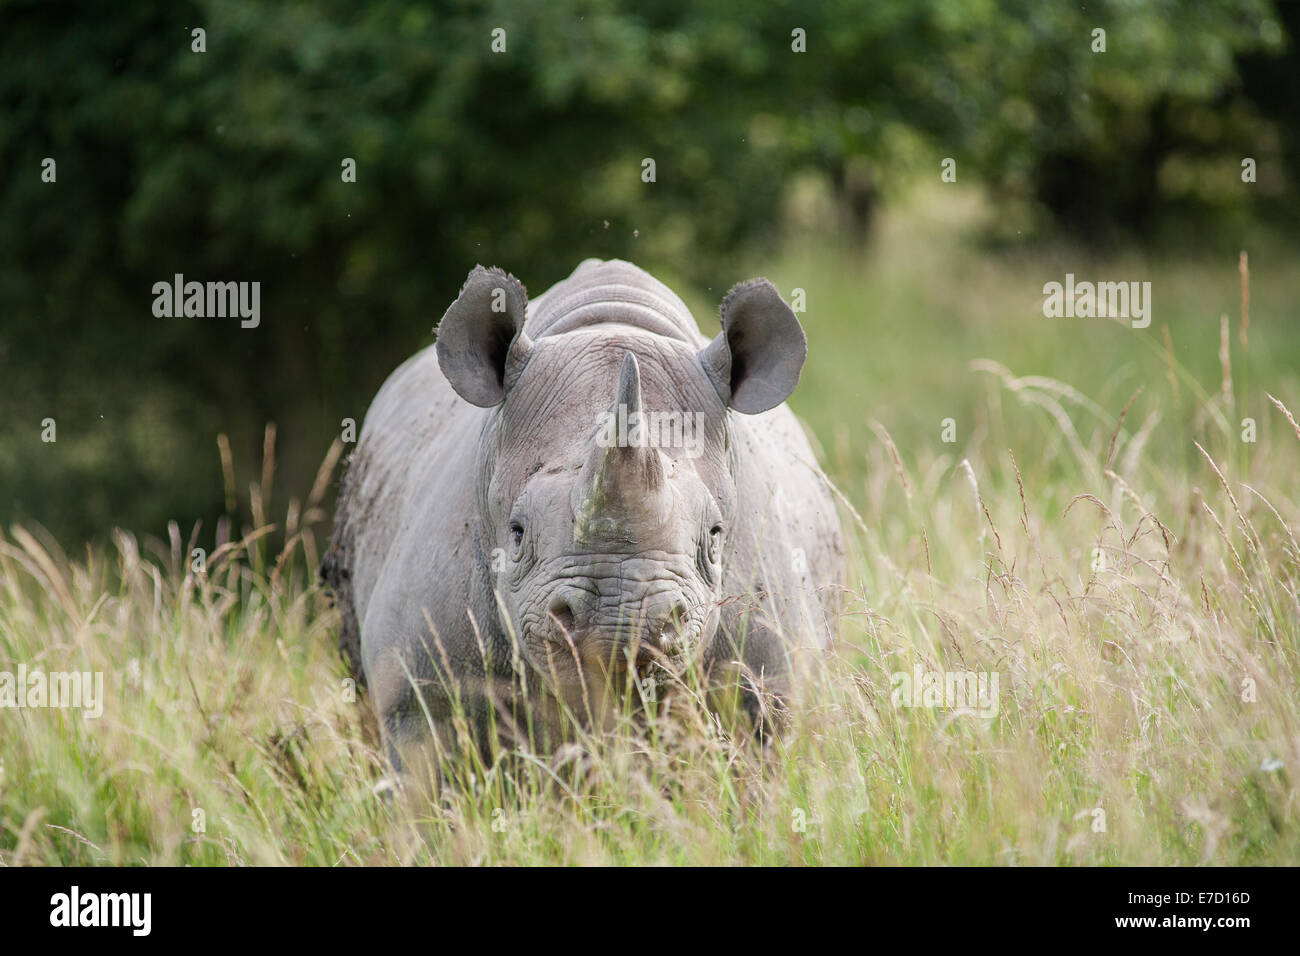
(481, 504)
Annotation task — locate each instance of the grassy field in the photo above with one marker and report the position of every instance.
(1097, 535)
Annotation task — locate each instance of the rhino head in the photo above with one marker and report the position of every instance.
(607, 493)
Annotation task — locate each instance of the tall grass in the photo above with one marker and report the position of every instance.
(1125, 564)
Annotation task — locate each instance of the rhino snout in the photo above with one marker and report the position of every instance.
(654, 621)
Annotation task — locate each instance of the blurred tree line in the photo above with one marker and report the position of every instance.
(226, 165)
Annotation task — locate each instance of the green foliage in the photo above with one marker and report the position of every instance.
(225, 165)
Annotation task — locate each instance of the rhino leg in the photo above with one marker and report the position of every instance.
(748, 668)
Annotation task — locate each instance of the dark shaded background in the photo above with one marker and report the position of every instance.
(225, 165)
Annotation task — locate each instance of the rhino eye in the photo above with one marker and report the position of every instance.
(516, 535)
(715, 543)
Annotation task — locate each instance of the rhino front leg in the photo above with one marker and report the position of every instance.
(748, 668)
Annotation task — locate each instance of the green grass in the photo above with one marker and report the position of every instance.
(1148, 713)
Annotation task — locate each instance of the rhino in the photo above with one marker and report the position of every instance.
(581, 486)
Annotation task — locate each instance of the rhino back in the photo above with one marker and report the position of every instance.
(612, 292)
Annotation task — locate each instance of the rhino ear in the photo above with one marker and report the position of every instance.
(481, 342)
(755, 361)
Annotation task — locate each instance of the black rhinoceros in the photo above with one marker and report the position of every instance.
(579, 483)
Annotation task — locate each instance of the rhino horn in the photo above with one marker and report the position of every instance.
(624, 474)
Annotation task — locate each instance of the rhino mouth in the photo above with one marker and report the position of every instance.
(613, 651)
(616, 662)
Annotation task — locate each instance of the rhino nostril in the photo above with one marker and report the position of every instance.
(669, 632)
(562, 614)
(677, 616)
